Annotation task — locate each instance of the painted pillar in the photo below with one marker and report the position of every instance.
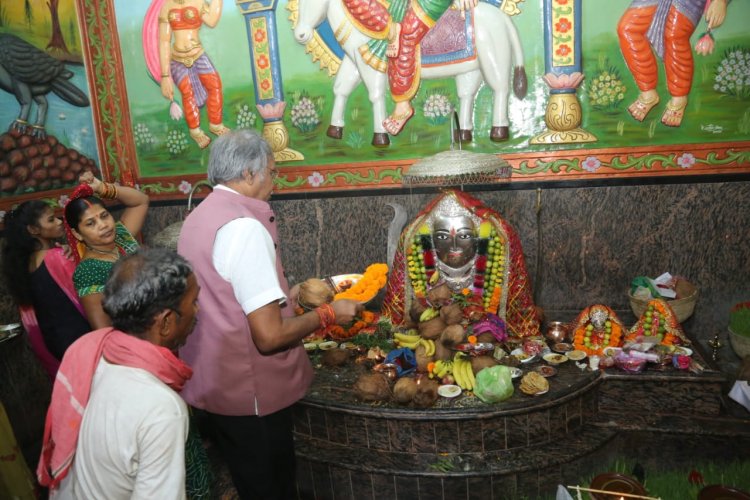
(562, 67)
(260, 22)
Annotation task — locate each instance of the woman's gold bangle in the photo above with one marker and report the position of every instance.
(108, 191)
(166, 76)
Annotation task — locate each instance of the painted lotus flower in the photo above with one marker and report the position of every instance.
(272, 111)
(175, 111)
(705, 44)
(563, 80)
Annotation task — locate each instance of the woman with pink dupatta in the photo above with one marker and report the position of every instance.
(39, 276)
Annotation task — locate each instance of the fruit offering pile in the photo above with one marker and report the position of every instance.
(590, 341)
(658, 321)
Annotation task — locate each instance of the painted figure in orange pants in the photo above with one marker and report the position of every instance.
(403, 52)
(182, 61)
(667, 26)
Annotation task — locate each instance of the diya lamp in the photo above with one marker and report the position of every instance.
(715, 344)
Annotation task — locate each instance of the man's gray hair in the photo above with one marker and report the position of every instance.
(142, 285)
(234, 153)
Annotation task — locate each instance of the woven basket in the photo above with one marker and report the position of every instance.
(683, 308)
(740, 344)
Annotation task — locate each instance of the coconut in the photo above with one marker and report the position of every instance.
(313, 293)
(442, 352)
(452, 335)
(416, 310)
(373, 387)
(486, 338)
(431, 329)
(479, 363)
(404, 390)
(451, 314)
(441, 294)
(426, 393)
(335, 357)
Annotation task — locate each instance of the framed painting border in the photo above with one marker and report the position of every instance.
(118, 159)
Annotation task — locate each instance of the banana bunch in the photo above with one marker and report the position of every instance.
(429, 314)
(410, 340)
(442, 368)
(429, 346)
(462, 372)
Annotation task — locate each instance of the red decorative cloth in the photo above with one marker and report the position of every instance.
(73, 386)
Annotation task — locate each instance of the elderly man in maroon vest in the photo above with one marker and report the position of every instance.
(248, 361)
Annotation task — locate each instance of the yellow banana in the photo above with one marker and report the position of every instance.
(428, 314)
(406, 340)
(471, 380)
(429, 346)
(459, 375)
(406, 337)
(462, 370)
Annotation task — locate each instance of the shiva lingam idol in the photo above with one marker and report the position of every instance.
(459, 242)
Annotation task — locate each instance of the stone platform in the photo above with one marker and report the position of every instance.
(463, 448)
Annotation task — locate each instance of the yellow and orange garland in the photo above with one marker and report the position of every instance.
(489, 267)
(368, 286)
(579, 339)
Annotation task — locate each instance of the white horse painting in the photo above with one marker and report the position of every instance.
(499, 54)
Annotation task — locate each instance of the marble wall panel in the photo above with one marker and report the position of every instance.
(336, 423)
(430, 487)
(399, 432)
(383, 486)
(341, 483)
(594, 240)
(423, 436)
(493, 434)
(470, 440)
(446, 437)
(322, 484)
(377, 434)
(356, 431)
(406, 488)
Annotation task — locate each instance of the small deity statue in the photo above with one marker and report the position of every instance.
(658, 321)
(597, 327)
(459, 242)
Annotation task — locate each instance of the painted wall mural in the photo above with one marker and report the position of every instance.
(561, 89)
(47, 129)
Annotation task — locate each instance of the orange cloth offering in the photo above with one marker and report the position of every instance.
(597, 327)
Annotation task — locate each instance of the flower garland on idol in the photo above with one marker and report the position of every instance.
(489, 265)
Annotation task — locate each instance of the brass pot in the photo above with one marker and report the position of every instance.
(557, 331)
